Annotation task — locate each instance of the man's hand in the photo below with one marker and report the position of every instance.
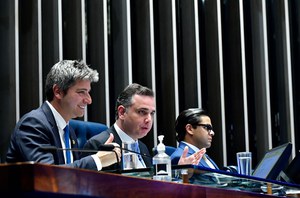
(110, 139)
(108, 158)
(192, 159)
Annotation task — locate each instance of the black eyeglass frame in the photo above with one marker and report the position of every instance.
(207, 127)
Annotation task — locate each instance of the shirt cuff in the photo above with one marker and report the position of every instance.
(97, 161)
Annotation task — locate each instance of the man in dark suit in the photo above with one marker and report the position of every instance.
(194, 132)
(135, 108)
(67, 90)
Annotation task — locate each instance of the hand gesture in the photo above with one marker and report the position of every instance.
(193, 159)
(108, 158)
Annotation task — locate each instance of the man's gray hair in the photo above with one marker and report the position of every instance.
(65, 73)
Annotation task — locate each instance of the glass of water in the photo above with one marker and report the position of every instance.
(129, 159)
(244, 163)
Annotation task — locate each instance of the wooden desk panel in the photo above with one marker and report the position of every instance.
(39, 179)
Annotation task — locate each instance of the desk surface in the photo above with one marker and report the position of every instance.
(34, 180)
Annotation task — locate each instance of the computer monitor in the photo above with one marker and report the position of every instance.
(274, 161)
(292, 173)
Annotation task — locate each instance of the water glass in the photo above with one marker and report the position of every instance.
(244, 163)
(129, 159)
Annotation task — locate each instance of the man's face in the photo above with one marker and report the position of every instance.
(137, 119)
(202, 136)
(74, 102)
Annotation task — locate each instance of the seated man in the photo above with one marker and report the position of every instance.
(135, 109)
(67, 88)
(195, 131)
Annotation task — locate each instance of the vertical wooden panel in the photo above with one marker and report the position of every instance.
(249, 63)
(7, 74)
(118, 47)
(233, 82)
(96, 58)
(140, 29)
(261, 79)
(164, 69)
(278, 87)
(72, 24)
(28, 38)
(294, 7)
(187, 57)
(50, 41)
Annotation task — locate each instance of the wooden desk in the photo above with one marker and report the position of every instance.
(40, 180)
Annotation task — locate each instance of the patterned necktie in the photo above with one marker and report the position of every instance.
(66, 137)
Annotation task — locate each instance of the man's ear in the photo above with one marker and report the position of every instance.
(57, 92)
(121, 111)
(189, 129)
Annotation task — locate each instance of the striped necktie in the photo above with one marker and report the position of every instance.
(67, 143)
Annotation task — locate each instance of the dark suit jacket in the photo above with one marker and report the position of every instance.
(178, 152)
(38, 129)
(94, 142)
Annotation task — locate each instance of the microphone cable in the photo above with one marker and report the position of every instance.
(119, 168)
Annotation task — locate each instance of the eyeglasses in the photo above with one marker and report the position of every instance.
(207, 127)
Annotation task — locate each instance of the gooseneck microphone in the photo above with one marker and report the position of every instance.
(106, 147)
(103, 147)
(125, 149)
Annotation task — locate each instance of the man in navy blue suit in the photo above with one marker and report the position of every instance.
(67, 90)
(195, 133)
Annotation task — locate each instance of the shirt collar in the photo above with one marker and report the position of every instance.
(123, 136)
(196, 149)
(61, 123)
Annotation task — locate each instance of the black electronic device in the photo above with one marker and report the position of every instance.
(274, 161)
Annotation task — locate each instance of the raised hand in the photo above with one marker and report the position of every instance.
(108, 158)
(193, 159)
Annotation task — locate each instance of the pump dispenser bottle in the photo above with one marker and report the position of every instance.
(162, 162)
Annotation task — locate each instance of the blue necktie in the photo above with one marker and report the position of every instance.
(137, 149)
(66, 137)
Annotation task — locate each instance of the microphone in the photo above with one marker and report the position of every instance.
(125, 149)
(102, 147)
(105, 147)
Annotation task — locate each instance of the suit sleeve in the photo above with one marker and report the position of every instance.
(94, 142)
(30, 138)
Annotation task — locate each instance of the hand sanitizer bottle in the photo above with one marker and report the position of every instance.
(162, 162)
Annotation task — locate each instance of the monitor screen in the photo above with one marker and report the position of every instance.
(274, 161)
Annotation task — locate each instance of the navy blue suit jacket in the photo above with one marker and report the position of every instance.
(38, 129)
(99, 139)
(179, 150)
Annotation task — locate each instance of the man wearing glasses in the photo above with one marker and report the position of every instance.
(194, 131)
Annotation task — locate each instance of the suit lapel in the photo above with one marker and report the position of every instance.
(48, 113)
